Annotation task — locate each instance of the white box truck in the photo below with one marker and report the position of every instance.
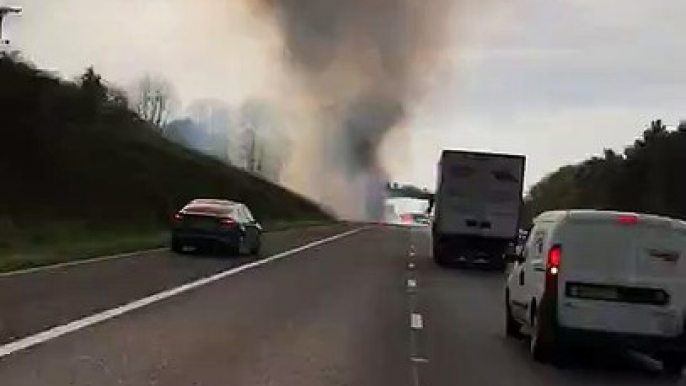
(477, 207)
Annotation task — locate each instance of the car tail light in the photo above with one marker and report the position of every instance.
(554, 259)
(628, 220)
(177, 218)
(228, 221)
(406, 218)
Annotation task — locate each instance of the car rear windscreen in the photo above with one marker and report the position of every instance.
(212, 210)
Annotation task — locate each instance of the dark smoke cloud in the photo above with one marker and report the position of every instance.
(362, 59)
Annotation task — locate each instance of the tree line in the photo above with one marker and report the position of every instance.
(76, 154)
(251, 136)
(647, 177)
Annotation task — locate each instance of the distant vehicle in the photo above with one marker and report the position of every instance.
(211, 222)
(477, 205)
(417, 219)
(605, 278)
(390, 215)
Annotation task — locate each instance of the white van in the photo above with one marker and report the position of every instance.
(603, 278)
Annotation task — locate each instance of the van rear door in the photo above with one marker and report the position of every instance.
(623, 273)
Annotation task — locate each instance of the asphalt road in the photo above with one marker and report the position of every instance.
(369, 308)
(35, 301)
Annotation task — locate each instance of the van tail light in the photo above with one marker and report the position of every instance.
(553, 269)
(628, 220)
(554, 260)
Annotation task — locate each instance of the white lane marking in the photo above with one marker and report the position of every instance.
(80, 262)
(410, 266)
(416, 322)
(411, 283)
(419, 360)
(79, 324)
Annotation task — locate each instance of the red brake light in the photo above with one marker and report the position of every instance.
(554, 258)
(406, 218)
(178, 217)
(628, 220)
(228, 221)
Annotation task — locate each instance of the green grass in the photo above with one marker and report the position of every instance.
(72, 242)
(60, 248)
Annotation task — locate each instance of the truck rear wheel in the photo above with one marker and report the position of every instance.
(673, 364)
(439, 257)
(497, 264)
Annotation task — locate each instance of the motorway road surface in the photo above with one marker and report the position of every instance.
(368, 308)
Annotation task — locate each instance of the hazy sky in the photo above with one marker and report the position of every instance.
(556, 80)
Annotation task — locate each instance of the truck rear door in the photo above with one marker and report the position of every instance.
(480, 194)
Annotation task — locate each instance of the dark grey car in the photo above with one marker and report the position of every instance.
(207, 223)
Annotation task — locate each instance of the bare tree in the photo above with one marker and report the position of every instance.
(154, 100)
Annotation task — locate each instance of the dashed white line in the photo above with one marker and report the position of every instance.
(416, 322)
(419, 360)
(88, 321)
(411, 283)
(410, 265)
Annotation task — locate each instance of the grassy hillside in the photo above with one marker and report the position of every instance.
(75, 160)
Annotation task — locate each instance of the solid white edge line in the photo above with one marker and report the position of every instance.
(55, 332)
(80, 262)
(416, 322)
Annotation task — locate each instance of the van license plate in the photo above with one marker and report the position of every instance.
(597, 293)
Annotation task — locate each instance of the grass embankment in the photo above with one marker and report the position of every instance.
(82, 175)
(50, 246)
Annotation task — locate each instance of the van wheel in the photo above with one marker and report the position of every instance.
(542, 339)
(673, 364)
(513, 328)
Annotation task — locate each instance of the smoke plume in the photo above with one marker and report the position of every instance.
(359, 66)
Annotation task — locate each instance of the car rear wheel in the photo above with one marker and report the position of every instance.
(243, 248)
(238, 248)
(256, 248)
(176, 246)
